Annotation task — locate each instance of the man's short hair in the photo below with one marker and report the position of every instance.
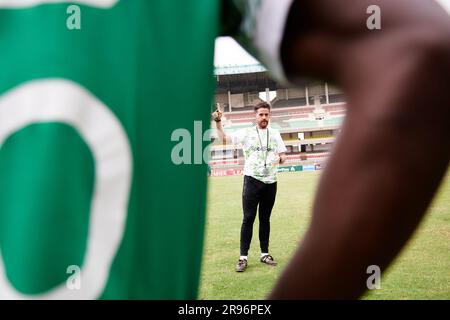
(260, 105)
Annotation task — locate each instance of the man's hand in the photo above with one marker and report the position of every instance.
(279, 159)
(217, 115)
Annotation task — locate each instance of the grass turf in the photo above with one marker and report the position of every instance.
(421, 271)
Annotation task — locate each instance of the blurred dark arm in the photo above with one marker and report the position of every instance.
(394, 147)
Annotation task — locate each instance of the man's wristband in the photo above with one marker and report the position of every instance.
(218, 120)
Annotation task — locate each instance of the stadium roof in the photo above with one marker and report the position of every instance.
(238, 69)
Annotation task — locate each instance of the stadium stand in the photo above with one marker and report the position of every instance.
(309, 120)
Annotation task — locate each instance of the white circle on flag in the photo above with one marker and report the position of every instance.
(58, 100)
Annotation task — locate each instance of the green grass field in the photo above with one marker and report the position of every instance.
(422, 271)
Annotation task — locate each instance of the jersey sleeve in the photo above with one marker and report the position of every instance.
(281, 147)
(258, 26)
(238, 137)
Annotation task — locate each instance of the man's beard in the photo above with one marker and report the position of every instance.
(263, 124)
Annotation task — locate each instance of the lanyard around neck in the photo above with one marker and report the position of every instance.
(267, 145)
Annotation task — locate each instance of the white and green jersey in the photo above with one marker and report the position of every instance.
(261, 148)
(87, 183)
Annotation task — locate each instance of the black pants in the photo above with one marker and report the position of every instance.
(256, 193)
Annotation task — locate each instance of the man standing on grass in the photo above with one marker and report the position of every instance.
(263, 150)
